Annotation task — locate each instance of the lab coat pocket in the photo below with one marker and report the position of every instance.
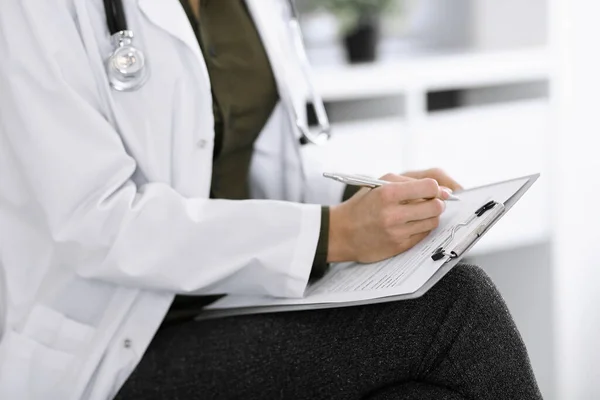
(53, 329)
(30, 370)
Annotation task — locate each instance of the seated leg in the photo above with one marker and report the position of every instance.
(459, 336)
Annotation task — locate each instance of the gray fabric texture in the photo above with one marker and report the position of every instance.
(458, 341)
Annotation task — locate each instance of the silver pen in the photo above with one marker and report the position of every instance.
(365, 181)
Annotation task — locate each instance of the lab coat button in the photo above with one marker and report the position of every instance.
(202, 143)
(127, 343)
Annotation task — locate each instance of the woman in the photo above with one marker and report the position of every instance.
(114, 203)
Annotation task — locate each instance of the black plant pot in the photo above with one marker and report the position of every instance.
(362, 42)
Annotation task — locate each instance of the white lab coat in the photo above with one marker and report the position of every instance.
(104, 214)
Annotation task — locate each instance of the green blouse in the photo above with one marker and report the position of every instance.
(244, 96)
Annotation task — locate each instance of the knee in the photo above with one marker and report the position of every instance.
(472, 285)
(470, 277)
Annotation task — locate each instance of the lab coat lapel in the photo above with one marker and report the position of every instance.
(170, 16)
(269, 17)
(272, 18)
(269, 33)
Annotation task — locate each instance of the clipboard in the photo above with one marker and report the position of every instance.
(463, 248)
(449, 254)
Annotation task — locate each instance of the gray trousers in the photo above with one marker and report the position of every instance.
(458, 341)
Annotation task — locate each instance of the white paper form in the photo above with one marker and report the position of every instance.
(402, 274)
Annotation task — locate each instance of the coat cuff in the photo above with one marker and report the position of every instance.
(320, 264)
(350, 191)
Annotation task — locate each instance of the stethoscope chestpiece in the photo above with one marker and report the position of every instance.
(126, 66)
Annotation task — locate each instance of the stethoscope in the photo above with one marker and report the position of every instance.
(127, 69)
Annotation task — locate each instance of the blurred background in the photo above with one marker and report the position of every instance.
(488, 90)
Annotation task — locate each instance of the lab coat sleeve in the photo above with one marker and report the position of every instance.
(79, 172)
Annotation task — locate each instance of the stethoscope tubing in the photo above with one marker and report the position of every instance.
(117, 25)
(324, 128)
(115, 16)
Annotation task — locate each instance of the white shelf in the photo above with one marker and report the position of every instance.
(426, 72)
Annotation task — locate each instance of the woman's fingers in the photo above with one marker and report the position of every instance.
(423, 226)
(416, 239)
(402, 192)
(385, 221)
(414, 212)
(439, 175)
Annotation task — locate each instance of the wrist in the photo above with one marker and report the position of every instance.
(339, 248)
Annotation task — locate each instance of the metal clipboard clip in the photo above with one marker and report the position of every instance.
(490, 212)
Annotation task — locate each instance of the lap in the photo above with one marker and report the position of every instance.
(345, 353)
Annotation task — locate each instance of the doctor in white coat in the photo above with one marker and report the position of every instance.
(104, 195)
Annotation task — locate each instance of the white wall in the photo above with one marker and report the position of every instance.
(483, 24)
(508, 23)
(523, 277)
(576, 150)
(437, 24)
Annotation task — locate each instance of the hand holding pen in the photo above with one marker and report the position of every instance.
(374, 225)
(365, 181)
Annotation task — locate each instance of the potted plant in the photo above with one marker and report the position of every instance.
(361, 25)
